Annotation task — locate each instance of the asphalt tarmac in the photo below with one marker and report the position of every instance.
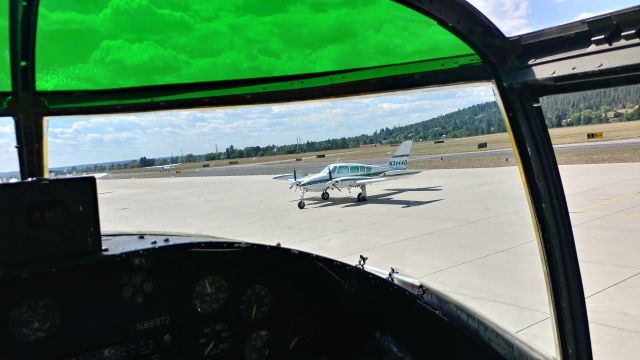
(467, 232)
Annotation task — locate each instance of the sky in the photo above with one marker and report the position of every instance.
(8, 154)
(91, 139)
(516, 17)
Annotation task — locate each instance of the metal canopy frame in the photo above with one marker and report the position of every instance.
(587, 54)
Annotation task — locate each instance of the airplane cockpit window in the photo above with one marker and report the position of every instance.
(415, 188)
(596, 137)
(105, 60)
(330, 168)
(9, 169)
(5, 68)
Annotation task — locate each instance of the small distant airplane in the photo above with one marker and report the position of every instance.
(53, 175)
(163, 167)
(349, 175)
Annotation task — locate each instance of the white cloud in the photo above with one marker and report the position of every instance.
(7, 130)
(509, 15)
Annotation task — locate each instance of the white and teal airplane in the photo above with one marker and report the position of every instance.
(349, 175)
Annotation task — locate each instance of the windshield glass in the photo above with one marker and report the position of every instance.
(9, 169)
(430, 186)
(106, 44)
(5, 69)
(523, 16)
(596, 136)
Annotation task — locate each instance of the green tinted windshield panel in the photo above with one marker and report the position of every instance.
(105, 44)
(5, 67)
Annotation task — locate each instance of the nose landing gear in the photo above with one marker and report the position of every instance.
(301, 202)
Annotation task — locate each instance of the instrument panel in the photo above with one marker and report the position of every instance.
(194, 303)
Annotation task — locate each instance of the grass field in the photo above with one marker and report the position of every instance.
(570, 135)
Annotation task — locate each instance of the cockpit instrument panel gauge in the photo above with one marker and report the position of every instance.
(34, 319)
(214, 339)
(258, 346)
(255, 303)
(210, 294)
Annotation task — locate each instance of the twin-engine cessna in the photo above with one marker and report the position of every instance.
(349, 175)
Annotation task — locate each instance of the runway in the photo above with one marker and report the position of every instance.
(287, 166)
(467, 232)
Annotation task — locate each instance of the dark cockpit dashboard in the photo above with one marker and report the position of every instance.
(171, 297)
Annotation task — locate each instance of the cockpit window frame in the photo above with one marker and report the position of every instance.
(586, 54)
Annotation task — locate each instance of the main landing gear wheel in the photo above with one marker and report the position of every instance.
(325, 195)
(361, 197)
(301, 205)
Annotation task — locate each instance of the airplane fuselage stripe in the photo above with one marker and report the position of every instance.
(368, 175)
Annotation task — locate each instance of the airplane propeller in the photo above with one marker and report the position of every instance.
(295, 181)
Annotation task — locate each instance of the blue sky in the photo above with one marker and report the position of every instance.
(515, 17)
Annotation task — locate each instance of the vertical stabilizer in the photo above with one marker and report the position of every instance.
(400, 158)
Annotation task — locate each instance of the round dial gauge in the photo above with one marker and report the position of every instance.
(34, 319)
(214, 339)
(258, 346)
(255, 303)
(209, 294)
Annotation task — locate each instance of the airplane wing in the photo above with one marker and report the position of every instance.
(349, 178)
(371, 180)
(400, 173)
(283, 177)
(289, 176)
(362, 180)
(162, 166)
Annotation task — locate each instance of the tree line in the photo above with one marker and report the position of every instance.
(591, 107)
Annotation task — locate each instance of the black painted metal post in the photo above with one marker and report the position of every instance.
(554, 224)
(28, 119)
